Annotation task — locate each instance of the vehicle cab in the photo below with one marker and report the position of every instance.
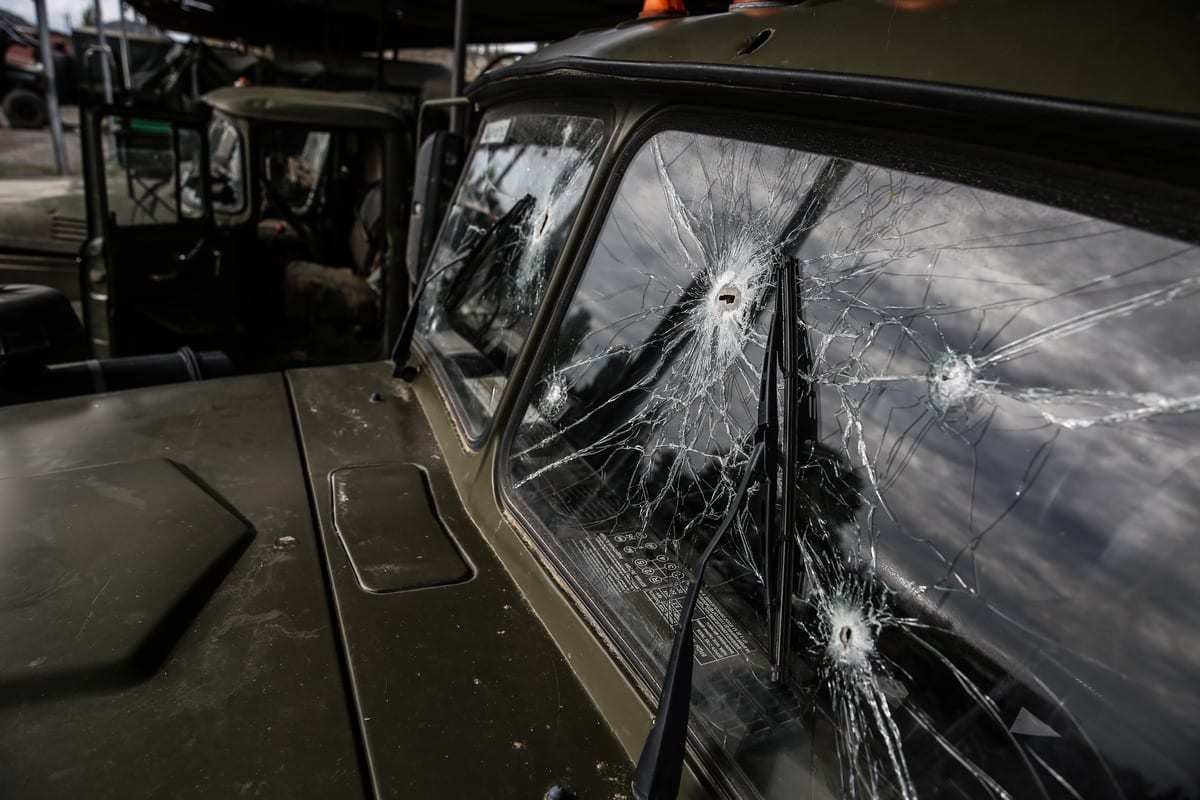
(280, 255)
(794, 403)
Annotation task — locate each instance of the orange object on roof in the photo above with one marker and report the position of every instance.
(662, 8)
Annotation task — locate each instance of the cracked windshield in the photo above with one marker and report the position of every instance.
(968, 574)
(501, 238)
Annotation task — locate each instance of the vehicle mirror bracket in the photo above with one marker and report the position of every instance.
(445, 102)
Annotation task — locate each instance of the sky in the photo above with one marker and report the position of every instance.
(59, 10)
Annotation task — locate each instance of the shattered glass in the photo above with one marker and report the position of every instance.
(994, 455)
(502, 236)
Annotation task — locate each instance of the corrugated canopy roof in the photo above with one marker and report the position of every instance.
(310, 106)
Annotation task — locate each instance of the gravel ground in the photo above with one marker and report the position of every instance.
(25, 153)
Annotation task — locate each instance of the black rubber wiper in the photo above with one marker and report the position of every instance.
(661, 764)
(484, 245)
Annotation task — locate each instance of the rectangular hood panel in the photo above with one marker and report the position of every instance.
(102, 569)
(246, 696)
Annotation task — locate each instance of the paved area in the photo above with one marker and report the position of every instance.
(25, 153)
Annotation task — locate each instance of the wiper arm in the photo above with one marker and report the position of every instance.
(661, 764)
(498, 238)
(402, 350)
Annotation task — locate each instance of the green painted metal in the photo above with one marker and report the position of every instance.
(250, 699)
(388, 522)
(45, 215)
(460, 691)
(73, 614)
(314, 107)
(144, 125)
(1083, 50)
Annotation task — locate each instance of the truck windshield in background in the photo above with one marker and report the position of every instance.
(226, 177)
(294, 163)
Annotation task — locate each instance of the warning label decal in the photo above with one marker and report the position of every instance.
(628, 563)
(716, 636)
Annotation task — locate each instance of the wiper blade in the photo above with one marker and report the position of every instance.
(402, 350)
(661, 764)
(500, 237)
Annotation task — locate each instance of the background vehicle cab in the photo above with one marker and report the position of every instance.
(281, 256)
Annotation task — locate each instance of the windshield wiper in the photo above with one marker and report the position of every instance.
(483, 245)
(661, 764)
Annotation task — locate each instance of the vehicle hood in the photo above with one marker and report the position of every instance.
(162, 601)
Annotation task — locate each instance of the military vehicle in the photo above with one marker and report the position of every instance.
(22, 80)
(265, 228)
(264, 237)
(270, 233)
(796, 404)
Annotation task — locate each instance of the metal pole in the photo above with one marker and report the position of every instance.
(458, 116)
(52, 110)
(126, 79)
(102, 46)
(379, 45)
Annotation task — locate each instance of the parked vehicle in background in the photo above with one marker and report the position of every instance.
(796, 403)
(271, 231)
(22, 81)
(282, 254)
(43, 219)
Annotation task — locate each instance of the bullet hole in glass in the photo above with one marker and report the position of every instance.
(729, 297)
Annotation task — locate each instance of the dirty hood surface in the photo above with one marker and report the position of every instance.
(267, 586)
(163, 604)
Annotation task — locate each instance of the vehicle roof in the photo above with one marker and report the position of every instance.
(352, 26)
(311, 106)
(1095, 51)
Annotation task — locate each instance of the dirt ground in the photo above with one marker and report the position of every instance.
(25, 153)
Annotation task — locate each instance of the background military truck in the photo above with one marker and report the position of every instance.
(43, 219)
(22, 80)
(271, 231)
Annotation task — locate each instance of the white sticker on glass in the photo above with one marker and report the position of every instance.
(495, 132)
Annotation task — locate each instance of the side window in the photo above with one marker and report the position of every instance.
(993, 452)
(226, 172)
(502, 236)
(147, 162)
